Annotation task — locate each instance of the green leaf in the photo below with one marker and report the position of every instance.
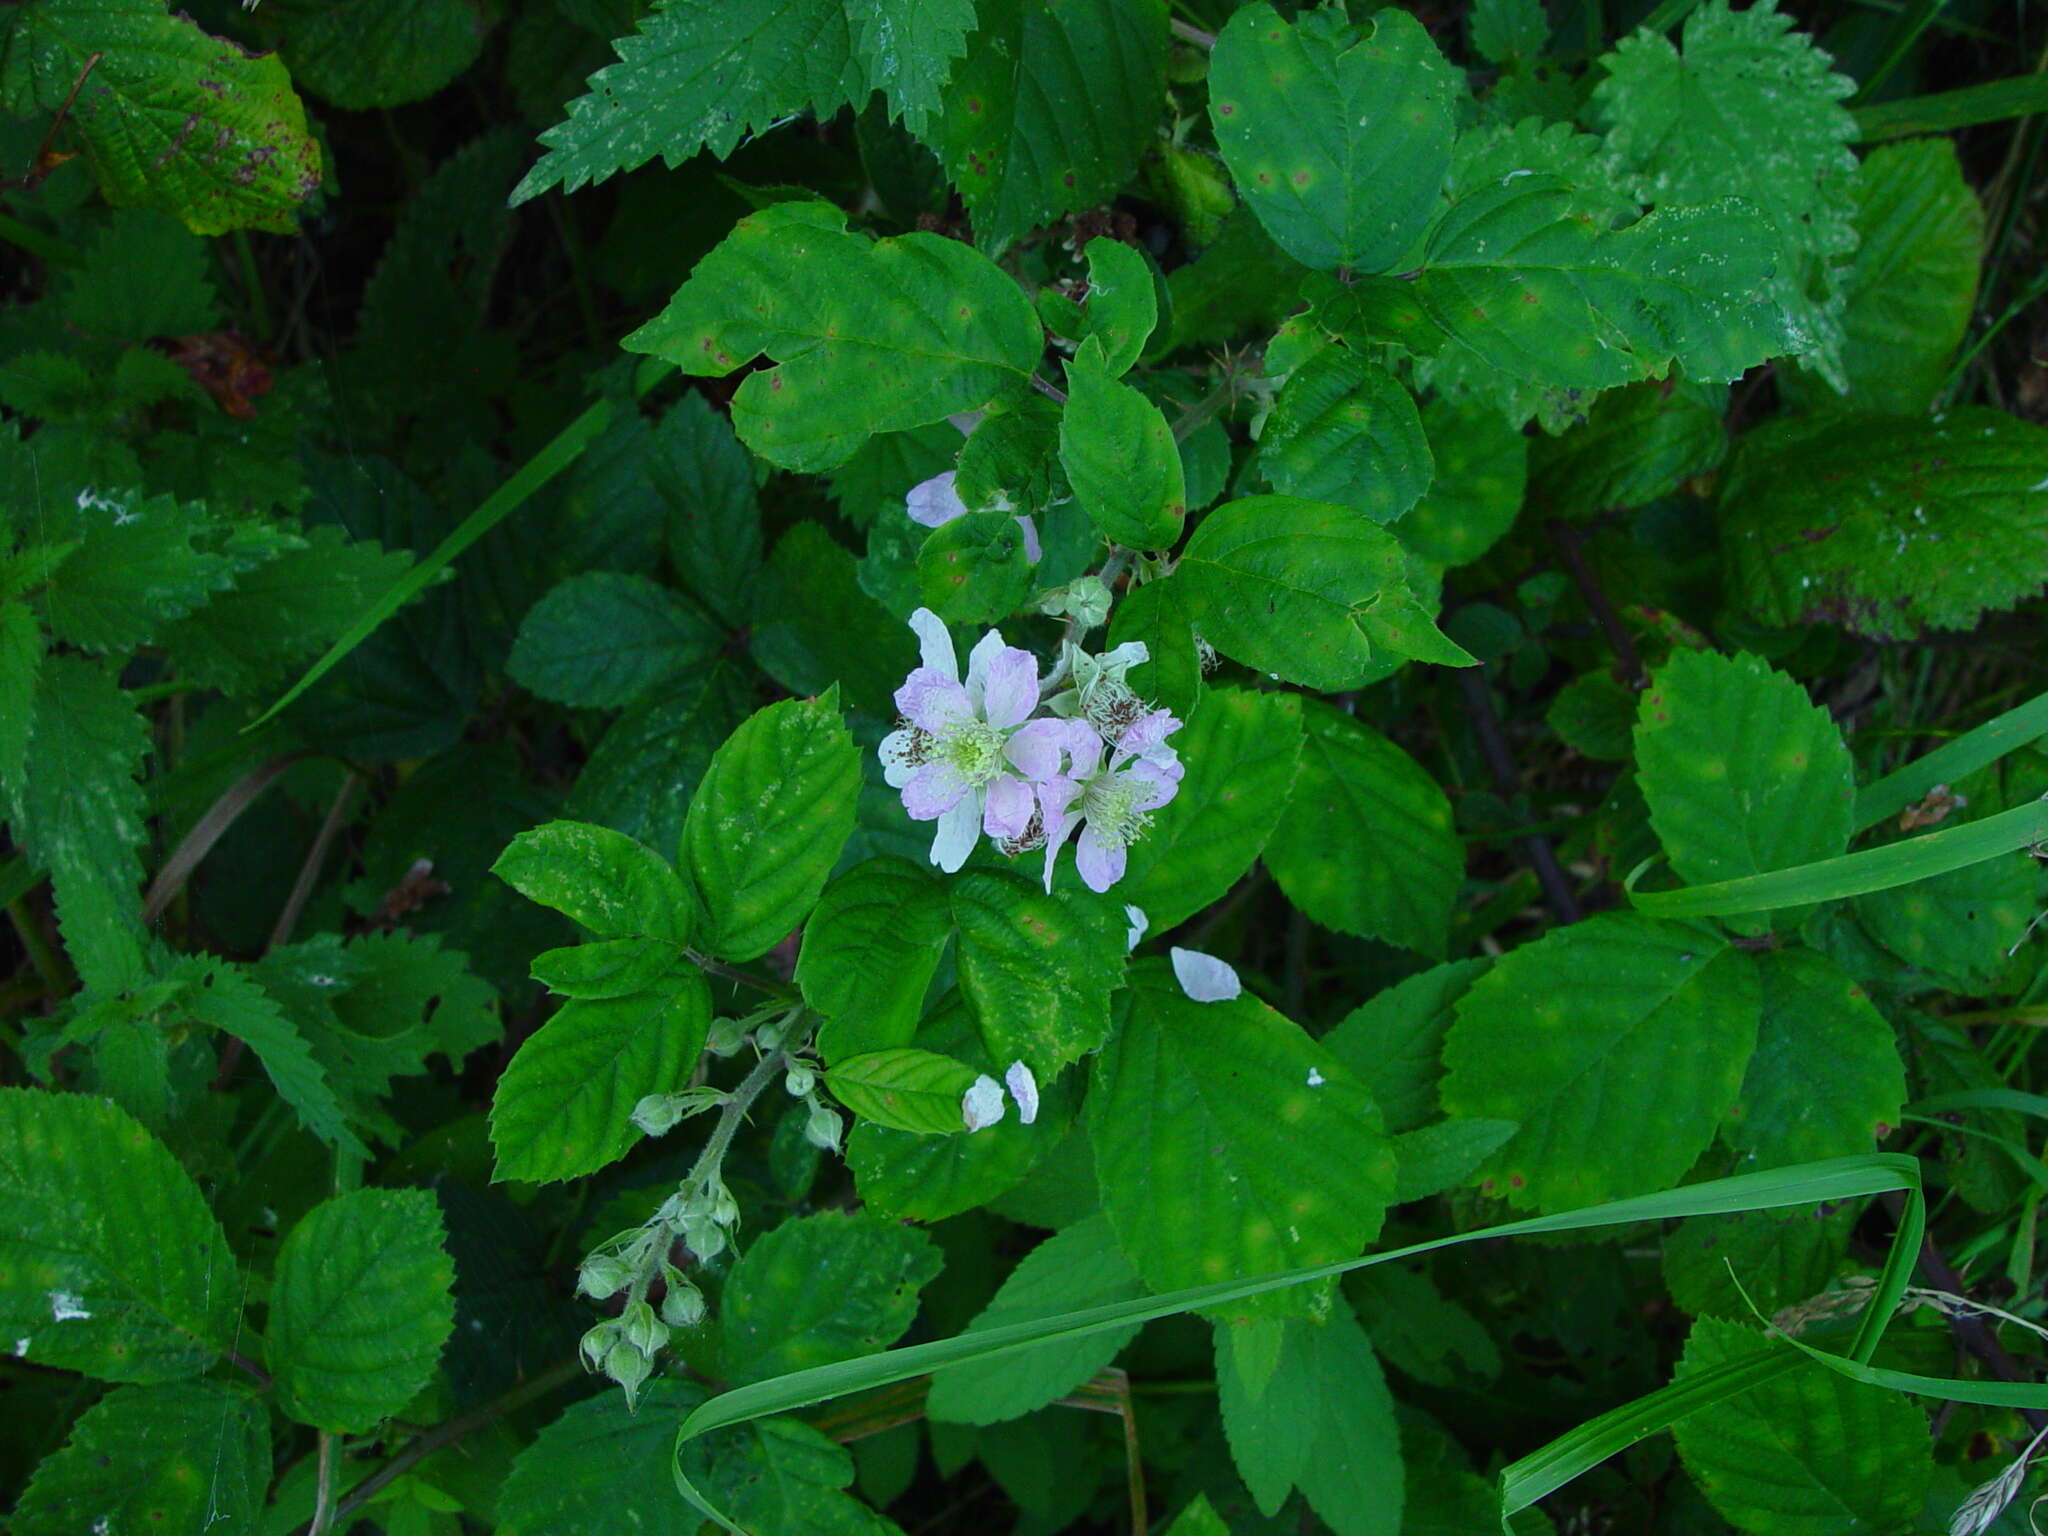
(870, 949)
(1749, 109)
(1508, 31)
(812, 625)
(601, 1466)
(1037, 970)
(714, 522)
(822, 1288)
(1742, 771)
(77, 812)
(603, 639)
(1120, 455)
(1241, 749)
(144, 275)
(1121, 306)
(1960, 929)
(869, 336)
(21, 660)
(79, 1290)
(908, 1090)
(1324, 1423)
(974, 570)
(699, 74)
(781, 1475)
(1157, 614)
(360, 1308)
(1805, 1453)
(607, 967)
(1481, 470)
(1913, 282)
(641, 774)
(1344, 430)
(1635, 445)
(154, 1461)
(228, 998)
(1011, 456)
(1227, 1142)
(1075, 1268)
(1887, 525)
(1778, 1257)
(1303, 589)
(1618, 1044)
(1050, 110)
(601, 879)
(1198, 1518)
(907, 48)
(1394, 1040)
(1826, 1078)
(564, 1106)
(1340, 143)
(1395, 873)
(364, 54)
(767, 823)
(175, 120)
(1436, 1157)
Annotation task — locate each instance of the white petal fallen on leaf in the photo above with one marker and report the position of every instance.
(1139, 922)
(1315, 1078)
(65, 1307)
(983, 1104)
(1203, 977)
(1024, 1089)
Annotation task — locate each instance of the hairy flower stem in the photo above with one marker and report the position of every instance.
(734, 1111)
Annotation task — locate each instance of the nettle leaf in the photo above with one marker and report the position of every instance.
(767, 823)
(175, 120)
(1344, 430)
(1310, 591)
(1394, 875)
(360, 1308)
(1241, 750)
(870, 949)
(1120, 455)
(1508, 31)
(76, 809)
(1318, 1417)
(1826, 1079)
(643, 770)
(822, 1288)
(1340, 142)
(1121, 307)
(870, 336)
(1742, 771)
(1807, 1451)
(604, 639)
(366, 54)
(1516, 279)
(144, 275)
(908, 48)
(564, 1107)
(1618, 1044)
(81, 1288)
(1910, 290)
(1887, 525)
(1227, 1142)
(1635, 445)
(604, 1464)
(1050, 110)
(700, 74)
(907, 1090)
(137, 566)
(22, 646)
(185, 1456)
(1394, 1040)
(601, 879)
(1749, 109)
(1076, 1268)
(1037, 970)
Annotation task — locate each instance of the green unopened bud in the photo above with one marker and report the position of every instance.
(683, 1306)
(724, 1209)
(705, 1237)
(642, 1329)
(800, 1080)
(726, 1037)
(658, 1114)
(768, 1036)
(821, 1128)
(596, 1345)
(629, 1368)
(603, 1275)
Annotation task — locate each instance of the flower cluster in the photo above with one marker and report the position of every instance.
(979, 758)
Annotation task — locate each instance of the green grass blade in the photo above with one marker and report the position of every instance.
(1952, 761)
(537, 471)
(1992, 102)
(1856, 874)
(1844, 1178)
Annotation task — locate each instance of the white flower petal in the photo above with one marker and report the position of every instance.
(934, 644)
(1204, 978)
(958, 828)
(983, 1104)
(935, 502)
(1139, 922)
(1024, 1089)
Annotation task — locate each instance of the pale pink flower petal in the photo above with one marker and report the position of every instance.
(1204, 978)
(1024, 1089)
(1033, 550)
(983, 1104)
(934, 790)
(1147, 734)
(985, 651)
(1055, 798)
(1100, 862)
(1084, 747)
(932, 701)
(1036, 749)
(1009, 681)
(1162, 783)
(1007, 811)
(934, 503)
(958, 829)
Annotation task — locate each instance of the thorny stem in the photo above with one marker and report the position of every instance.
(1199, 414)
(1500, 763)
(323, 1494)
(768, 984)
(1568, 545)
(1051, 392)
(1192, 34)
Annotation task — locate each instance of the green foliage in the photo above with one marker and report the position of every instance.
(1344, 430)
(380, 53)
(602, 879)
(359, 1308)
(606, 639)
(600, 1461)
(1119, 453)
(915, 1091)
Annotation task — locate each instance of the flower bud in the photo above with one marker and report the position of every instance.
(629, 1368)
(705, 1237)
(603, 1275)
(642, 1329)
(596, 1345)
(657, 1114)
(821, 1129)
(725, 1038)
(683, 1306)
(800, 1080)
